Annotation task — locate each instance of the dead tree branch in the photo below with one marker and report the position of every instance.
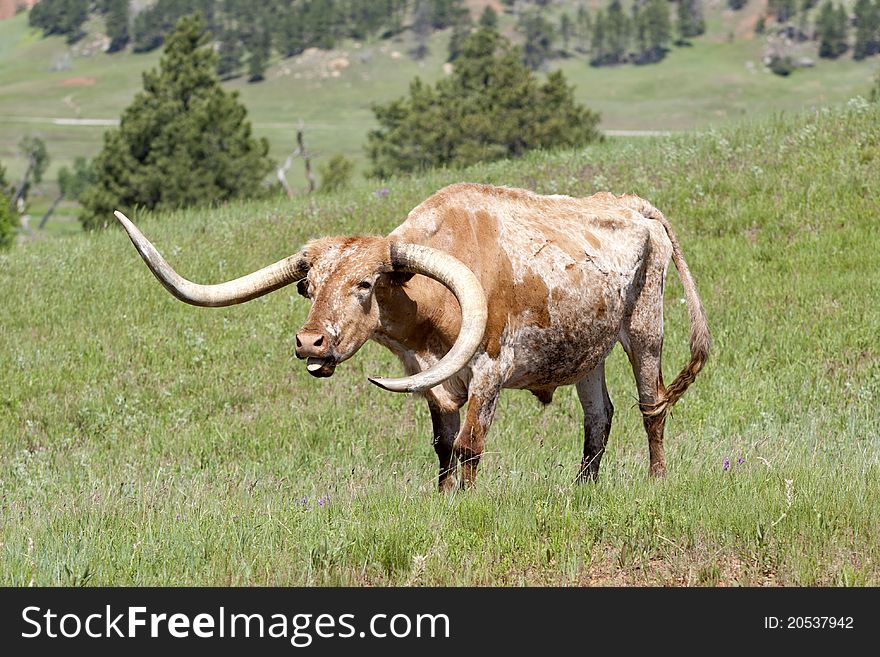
(303, 152)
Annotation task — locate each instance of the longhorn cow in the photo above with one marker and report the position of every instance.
(545, 287)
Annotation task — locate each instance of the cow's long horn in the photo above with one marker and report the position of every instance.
(461, 281)
(265, 280)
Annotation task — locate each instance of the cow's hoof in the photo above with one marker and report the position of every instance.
(447, 486)
(658, 471)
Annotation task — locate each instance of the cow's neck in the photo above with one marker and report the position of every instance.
(421, 317)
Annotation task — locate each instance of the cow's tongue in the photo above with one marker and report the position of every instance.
(320, 367)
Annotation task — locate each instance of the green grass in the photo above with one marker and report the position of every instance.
(712, 82)
(143, 441)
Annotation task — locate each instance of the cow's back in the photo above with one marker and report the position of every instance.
(471, 220)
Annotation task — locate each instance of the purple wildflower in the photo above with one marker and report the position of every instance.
(382, 193)
(741, 460)
(725, 464)
(324, 501)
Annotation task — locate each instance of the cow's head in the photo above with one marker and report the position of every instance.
(341, 275)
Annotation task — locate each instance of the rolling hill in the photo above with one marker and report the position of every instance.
(68, 94)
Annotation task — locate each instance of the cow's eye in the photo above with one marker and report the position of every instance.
(364, 285)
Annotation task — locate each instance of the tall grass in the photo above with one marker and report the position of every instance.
(143, 441)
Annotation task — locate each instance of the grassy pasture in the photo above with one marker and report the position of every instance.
(143, 441)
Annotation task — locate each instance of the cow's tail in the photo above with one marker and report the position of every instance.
(699, 335)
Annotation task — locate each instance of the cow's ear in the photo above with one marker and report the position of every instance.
(399, 278)
(303, 288)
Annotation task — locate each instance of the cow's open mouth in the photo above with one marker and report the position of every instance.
(321, 367)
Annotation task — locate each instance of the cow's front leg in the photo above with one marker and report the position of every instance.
(482, 401)
(446, 426)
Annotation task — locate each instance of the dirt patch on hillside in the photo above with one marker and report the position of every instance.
(316, 64)
(8, 7)
(743, 21)
(79, 82)
(477, 7)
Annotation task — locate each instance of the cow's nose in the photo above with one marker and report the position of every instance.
(311, 345)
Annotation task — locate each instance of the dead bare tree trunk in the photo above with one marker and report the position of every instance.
(49, 212)
(282, 177)
(22, 186)
(308, 159)
(300, 151)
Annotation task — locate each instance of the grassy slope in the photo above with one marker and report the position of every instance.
(148, 442)
(711, 83)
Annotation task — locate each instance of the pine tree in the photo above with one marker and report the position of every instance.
(395, 22)
(63, 17)
(491, 107)
(842, 25)
(258, 55)
(336, 174)
(446, 12)
(229, 54)
(612, 33)
(116, 17)
(8, 223)
(539, 37)
(8, 217)
(291, 35)
(183, 141)
(321, 23)
(566, 29)
(690, 19)
(489, 18)
(825, 29)
(652, 31)
(598, 42)
(421, 28)
(831, 28)
(363, 19)
(584, 28)
(803, 21)
(782, 9)
(867, 22)
(561, 121)
(293, 25)
(154, 22)
(460, 33)
(619, 29)
(257, 65)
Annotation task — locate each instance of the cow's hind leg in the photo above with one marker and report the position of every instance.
(446, 426)
(649, 380)
(598, 411)
(643, 343)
